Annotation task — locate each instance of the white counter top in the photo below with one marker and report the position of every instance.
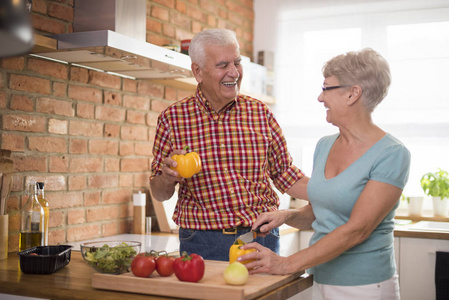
(149, 242)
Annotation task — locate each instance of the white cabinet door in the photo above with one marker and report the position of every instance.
(417, 267)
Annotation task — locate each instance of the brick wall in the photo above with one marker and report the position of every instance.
(88, 135)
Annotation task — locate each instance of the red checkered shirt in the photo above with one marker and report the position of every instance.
(241, 149)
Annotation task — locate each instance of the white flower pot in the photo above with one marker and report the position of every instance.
(415, 205)
(440, 206)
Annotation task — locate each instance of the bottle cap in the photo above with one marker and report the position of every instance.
(40, 185)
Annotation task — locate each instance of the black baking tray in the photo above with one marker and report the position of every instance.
(48, 260)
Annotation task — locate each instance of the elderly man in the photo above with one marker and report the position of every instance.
(241, 146)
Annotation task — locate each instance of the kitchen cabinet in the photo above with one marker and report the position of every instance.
(417, 266)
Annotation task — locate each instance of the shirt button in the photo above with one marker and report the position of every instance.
(231, 190)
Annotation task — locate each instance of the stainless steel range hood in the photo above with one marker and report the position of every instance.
(114, 52)
(110, 36)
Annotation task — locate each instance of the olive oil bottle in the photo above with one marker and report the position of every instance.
(32, 219)
(46, 206)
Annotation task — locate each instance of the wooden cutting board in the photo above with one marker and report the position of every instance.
(211, 286)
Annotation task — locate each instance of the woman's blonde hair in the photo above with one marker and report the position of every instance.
(366, 68)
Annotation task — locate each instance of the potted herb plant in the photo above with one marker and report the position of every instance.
(436, 185)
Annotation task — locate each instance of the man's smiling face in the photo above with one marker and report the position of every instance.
(221, 76)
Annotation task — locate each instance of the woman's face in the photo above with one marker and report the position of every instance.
(334, 97)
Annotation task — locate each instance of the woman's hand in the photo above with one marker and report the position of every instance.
(273, 219)
(266, 261)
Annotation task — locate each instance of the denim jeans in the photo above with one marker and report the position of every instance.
(214, 245)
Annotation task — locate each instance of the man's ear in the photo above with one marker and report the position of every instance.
(196, 70)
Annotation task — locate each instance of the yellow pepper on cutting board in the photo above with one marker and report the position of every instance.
(188, 164)
(235, 251)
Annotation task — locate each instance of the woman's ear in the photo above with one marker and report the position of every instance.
(354, 96)
(196, 70)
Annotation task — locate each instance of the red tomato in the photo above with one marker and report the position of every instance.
(143, 265)
(189, 267)
(164, 265)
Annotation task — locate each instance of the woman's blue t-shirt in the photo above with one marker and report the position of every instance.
(332, 200)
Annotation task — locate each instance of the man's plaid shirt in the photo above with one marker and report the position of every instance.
(242, 150)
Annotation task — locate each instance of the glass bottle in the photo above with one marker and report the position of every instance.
(46, 207)
(32, 219)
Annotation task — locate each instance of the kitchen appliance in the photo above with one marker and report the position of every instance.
(16, 32)
(110, 35)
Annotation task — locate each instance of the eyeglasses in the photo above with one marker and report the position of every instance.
(326, 88)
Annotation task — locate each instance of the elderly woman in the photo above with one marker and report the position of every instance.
(357, 179)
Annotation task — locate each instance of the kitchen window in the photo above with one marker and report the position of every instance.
(412, 35)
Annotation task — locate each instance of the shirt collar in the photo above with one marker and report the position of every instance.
(205, 104)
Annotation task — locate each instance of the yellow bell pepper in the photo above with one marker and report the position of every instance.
(188, 164)
(235, 251)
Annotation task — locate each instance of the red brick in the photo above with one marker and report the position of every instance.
(21, 102)
(181, 7)
(55, 107)
(160, 13)
(56, 218)
(87, 94)
(134, 164)
(57, 237)
(109, 229)
(150, 89)
(102, 213)
(139, 133)
(49, 68)
(109, 113)
(209, 6)
(64, 199)
(126, 148)
(117, 196)
(141, 180)
(59, 89)
(126, 180)
(86, 128)
(48, 25)
(27, 123)
(168, 30)
(86, 164)
(92, 198)
(47, 144)
(58, 164)
(78, 146)
(159, 105)
(14, 63)
(236, 19)
(59, 11)
(167, 3)
(40, 6)
(151, 134)
(12, 142)
(135, 117)
(83, 232)
(111, 130)
(107, 147)
(154, 26)
(104, 80)
(52, 182)
(3, 100)
(77, 183)
(79, 74)
(212, 21)
(152, 118)
(129, 85)
(136, 102)
(183, 94)
(171, 94)
(57, 126)
(143, 148)
(76, 216)
(28, 163)
(29, 84)
(112, 98)
(102, 181)
(197, 14)
(157, 40)
(85, 110)
(112, 164)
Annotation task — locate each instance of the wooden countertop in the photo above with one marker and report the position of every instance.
(74, 281)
